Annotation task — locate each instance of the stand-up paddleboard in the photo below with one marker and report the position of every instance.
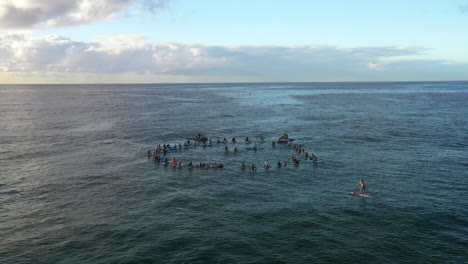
(253, 148)
(361, 194)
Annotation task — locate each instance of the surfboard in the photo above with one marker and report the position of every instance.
(361, 194)
(253, 148)
(315, 161)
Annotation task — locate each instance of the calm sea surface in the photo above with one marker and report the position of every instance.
(76, 185)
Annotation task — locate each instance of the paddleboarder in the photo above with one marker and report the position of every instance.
(363, 186)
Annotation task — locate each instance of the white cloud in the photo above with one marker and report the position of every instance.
(18, 14)
(52, 54)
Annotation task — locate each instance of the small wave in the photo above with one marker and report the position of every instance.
(12, 192)
(455, 145)
(367, 139)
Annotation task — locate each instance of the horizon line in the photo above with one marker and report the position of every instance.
(175, 83)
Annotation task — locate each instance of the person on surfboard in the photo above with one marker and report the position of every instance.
(363, 186)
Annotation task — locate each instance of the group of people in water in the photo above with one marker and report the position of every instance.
(295, 161)
(205, 140)
(161, 151)
(301, 151)
(178, 163)
(253, 168)
(201, 140)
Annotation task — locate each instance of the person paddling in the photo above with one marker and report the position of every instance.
(242, 166)
(363, 186)
(253, 168)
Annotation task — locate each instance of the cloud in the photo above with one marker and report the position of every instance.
(52, 54)
(16, 14)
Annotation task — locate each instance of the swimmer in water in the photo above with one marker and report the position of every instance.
(253, 168)
(242, 166)
(314, 158)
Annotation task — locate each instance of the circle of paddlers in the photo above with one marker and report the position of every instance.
(161, 151)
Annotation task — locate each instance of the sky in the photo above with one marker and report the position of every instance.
(174, 41)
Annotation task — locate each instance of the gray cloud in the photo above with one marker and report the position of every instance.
(135, 55)
(33, 13)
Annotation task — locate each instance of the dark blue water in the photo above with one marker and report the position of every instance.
(76, 185)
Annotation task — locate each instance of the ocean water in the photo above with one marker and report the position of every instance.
(76, 185)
